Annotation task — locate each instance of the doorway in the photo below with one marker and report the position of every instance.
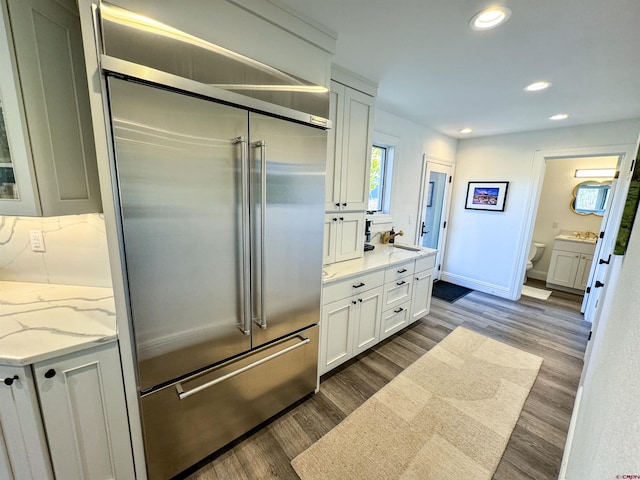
(434, 208)
(604, 227)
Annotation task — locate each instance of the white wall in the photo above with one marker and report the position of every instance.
(413, 141)
(606, 441)
(557, 193)
(76, 250)
(485, 249)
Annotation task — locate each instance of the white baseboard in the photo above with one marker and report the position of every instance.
(485, 287)
(570, 434)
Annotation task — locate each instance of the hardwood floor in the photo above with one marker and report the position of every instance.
(553, 329)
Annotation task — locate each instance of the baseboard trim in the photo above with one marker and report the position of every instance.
(570, 434)
(485, 287)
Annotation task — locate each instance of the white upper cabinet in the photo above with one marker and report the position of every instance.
(47, 154)
(349, 149)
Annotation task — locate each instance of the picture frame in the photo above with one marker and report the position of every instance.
(489, 196)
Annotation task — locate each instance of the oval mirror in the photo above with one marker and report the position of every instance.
(590, 198)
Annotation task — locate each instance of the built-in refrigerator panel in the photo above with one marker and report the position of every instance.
(178, 161)
(288, 232)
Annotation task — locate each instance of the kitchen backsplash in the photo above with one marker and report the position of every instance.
(76, 250)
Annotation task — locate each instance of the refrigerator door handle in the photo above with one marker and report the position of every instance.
(262, 145)
(182, 394)
(245, 325)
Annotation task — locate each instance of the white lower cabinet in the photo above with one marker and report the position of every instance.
(422, 288)
(79, 405)
(359, 312)
(349, 326)
(570, 264)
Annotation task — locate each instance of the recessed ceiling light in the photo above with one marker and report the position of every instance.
(465, 130)
(489, 18)
(559, 116)
(537, 86)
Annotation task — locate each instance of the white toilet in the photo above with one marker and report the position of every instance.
(535, 253)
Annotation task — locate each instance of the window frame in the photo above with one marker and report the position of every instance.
(390, 143)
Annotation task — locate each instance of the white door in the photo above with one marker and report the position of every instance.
(434, 209)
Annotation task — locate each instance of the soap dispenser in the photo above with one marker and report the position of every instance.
(392, 235)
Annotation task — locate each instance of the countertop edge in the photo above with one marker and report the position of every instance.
(409, 255)
(26, 361)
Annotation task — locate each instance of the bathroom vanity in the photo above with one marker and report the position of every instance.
(571, 263)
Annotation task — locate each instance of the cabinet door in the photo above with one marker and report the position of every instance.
(350, 236)
(83, 406)
(563, 268)
(5, 468)
(334, 148)
(421, 297)
(25, 446)
(582, 275)
(50, 59)
(329, 239)
(367, 325)
(336, 325)
(356, 150)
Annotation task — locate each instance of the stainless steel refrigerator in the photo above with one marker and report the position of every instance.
(221, 215)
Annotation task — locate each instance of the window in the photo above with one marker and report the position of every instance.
(377, 177)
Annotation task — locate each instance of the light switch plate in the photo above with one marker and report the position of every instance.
(37, 241)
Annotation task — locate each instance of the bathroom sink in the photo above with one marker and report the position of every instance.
(404, 246)
(573, 238)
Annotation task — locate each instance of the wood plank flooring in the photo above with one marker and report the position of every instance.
(553, 329)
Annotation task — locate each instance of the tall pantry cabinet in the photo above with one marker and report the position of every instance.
(348, 163)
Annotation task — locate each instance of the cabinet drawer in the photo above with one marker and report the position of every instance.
(397, 291)
(399, 270)
(425, 263)
(345, 288)
(394, 319)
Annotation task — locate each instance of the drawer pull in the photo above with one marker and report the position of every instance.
(182, 394)
(359, 285)
(402, 282)
(9, 380)
(398, 310)
(402, 270)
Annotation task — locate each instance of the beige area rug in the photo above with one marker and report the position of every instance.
(538, 293)
(449, 415)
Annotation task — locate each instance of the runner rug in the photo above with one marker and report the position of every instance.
(448, 415)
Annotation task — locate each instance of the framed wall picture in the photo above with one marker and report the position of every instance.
(486, 196)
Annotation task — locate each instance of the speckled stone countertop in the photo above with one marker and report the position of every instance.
(382, 256)
(39, 321)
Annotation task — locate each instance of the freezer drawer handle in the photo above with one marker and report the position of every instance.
(182, 394)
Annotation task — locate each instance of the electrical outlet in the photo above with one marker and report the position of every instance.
(37, 241)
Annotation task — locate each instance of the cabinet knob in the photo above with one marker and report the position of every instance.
(354, 302)
(360, 300)
(50, 373)
(335, 219)
(341, 218)
(344, 204)
(337, 204)
(9, 380)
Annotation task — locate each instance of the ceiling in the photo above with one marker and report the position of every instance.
(433, 69)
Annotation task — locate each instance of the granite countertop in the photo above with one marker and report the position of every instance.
(382, 256)
(39, 321)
